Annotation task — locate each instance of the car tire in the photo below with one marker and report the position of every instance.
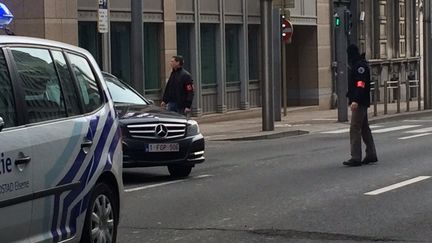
(179, 170)
(102, 211)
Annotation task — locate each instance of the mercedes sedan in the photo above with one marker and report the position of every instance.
(153, 136)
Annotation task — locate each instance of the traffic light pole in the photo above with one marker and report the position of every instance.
(267, 81)
(427, 35)
(276, 18)
(137, 42)
(342, 31)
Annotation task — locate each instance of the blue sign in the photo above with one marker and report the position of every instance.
(5, 16)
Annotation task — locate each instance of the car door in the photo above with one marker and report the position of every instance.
(59, 136)
(15, 163)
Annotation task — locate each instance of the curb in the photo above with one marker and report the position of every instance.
(244, 114)
(279, 134)
(273, 135)
(398, 116)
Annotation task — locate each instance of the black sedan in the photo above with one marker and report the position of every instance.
(153, 136)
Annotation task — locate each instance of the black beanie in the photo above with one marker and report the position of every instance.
(353, 50)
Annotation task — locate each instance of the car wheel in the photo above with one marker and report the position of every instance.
(102, 216)
(179, 170)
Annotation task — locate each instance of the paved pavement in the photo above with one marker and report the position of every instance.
(247, 125)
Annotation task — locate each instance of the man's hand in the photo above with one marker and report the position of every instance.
(163, 104)
(354, 106)
(187, 110)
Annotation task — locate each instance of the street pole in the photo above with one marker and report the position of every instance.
(284, 67)
(284, 80)
(104, 30)
(427, 38)
(137, 42)
(341, 42)
(276, 17)
(106, 45)
(267, 83)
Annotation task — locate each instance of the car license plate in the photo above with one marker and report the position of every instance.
(163, 147)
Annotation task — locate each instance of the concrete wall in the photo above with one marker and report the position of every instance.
(324, 54)
(50, 19)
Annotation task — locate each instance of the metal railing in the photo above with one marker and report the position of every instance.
(390, 77)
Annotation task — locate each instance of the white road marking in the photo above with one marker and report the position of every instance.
(324, 119)
(337, 131)
(344, 130)
(417, 120)
(391, 129)
(415, 136)
(164, 183)
(421, 130)
(397, 185)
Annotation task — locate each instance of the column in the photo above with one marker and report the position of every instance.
(220, 60)
(244, 60)
(169, 47)
(196, 60)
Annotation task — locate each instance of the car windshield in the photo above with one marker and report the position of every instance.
(122, 93)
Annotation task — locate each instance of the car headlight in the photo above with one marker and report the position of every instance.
(192, 128)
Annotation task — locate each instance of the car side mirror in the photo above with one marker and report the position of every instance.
(1, 124)
(151, 102)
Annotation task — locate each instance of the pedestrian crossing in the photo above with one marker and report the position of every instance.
(392, 129)
(408, 131)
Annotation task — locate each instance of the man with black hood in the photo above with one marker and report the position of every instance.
(359, 101)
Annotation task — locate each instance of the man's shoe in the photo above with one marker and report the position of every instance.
(369, 159)
(352, 162)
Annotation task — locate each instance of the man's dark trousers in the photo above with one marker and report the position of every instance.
(360, 129)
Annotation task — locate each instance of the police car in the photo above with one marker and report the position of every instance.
(60, 145)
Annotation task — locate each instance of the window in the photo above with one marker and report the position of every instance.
(87, 84)
(120, 50)
(121, 93)
(67, 82)
(7, 102)
(253, 39)
(232, 53)
(151, 56)
(208, 54)
(42, 90)
(89, 39)
(183, 44)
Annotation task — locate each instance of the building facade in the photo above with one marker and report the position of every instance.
(390, 33)
(220, 40)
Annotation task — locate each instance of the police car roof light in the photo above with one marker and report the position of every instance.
(6, 16)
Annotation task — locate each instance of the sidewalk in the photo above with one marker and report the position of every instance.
(247, 125)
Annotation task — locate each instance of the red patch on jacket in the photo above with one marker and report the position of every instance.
(189, 87)
(361, 84)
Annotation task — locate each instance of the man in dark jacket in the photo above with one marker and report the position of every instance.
(179, 90)
(359, 100)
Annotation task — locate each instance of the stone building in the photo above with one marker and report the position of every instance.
(220, 41)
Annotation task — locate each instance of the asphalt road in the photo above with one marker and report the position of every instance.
(292, 189)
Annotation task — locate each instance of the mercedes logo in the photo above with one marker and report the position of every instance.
(161, 131)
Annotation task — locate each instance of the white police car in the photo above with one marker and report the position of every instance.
(60, 145)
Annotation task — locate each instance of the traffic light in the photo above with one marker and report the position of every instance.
(348, 24)
(337, 21)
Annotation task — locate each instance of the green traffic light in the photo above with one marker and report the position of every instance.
(338, 21)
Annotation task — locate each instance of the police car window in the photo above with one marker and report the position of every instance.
(42, 90)
(7, 102)
(70, 93)
(86, 83)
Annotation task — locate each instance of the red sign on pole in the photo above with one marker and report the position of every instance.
(287, 31)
